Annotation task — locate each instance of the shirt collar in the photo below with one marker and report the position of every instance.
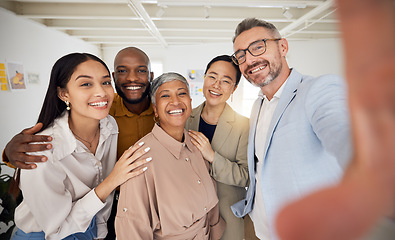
(175, 147)
(66, 143)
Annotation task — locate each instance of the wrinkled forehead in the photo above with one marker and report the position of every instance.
(173, 85)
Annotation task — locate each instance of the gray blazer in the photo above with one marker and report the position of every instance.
(229, 168)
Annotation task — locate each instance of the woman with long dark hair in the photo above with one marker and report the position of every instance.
(70, 195)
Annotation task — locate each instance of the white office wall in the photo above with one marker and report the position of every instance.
(37, 48)
(316, 57)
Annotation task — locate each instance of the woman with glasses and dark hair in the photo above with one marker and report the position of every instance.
(70, 195)
(221, 135)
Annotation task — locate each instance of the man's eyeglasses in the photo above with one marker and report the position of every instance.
(255, 49)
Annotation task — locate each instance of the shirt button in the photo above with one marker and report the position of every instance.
(187, 159)
(199, 181)
(98, 164)
(125, 209)
(205, 209)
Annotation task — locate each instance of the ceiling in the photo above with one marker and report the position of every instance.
(117, 23)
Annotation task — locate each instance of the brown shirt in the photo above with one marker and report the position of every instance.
(174, 199)
(131, 126)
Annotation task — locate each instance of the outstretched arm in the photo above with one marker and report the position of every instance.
(366, 193)
(16, 149)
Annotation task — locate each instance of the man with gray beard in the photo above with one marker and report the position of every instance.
(299, 137)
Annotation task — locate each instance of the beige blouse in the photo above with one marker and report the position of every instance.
(174, 199)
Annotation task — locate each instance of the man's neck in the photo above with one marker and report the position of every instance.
(138, 108)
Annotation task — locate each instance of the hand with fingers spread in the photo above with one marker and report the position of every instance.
(366, 195)
(15, 151)
(203, 144)
(126, 167)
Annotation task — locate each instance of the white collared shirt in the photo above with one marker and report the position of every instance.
(258, 213)
(59, 196)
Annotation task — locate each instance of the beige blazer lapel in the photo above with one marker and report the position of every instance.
(194, 119)
(224, 127)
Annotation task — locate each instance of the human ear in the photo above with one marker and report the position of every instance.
(155, 111)
(283, 46)
(62, 93)
(151, 77)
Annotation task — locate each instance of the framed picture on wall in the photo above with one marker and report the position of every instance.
(16, 76)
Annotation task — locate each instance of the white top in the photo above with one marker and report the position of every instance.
(59, 196)
(258, 213)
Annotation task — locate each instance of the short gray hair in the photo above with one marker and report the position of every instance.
(249, 23)
(164, 78)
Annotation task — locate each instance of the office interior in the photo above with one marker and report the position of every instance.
(37, 46)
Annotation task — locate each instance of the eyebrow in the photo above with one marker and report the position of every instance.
(211, 72)
(90, 77)
(83, 76)
(123, 66)
(226, 76)
(165, 90)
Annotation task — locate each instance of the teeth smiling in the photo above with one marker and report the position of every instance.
(98, 104)
(177, 111)
(257, 69)
(133, 88)
(214, 93)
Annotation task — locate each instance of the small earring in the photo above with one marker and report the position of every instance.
(68, 105)
(156, 120)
